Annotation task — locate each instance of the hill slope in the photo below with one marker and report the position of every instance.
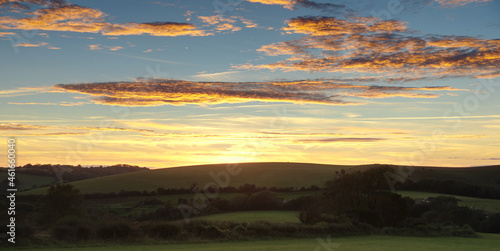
(278, 174)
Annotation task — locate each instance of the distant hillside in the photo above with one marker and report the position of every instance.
(33, 176)
(278, 174)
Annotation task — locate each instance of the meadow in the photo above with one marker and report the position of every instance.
(485, 242)
(269, 174)
(488, 205)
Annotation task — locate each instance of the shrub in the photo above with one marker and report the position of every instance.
(115, 230)
(492, 224)
(71, 228)
(213, 232)
(284, 228)
(163, 230)
(259, 228)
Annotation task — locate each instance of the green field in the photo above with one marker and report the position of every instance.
(488, 205)
(486, 242)
(131, 205)
(29, 181)
(250, 216)
(259, 174)
(278, 174)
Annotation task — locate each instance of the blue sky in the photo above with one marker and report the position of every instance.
(166, 83)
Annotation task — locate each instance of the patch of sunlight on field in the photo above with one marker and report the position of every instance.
(250, 216)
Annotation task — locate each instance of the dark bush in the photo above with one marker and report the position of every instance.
(491, 224)
(213, 232)
(114, 230)
(263, 200)
(259, 228)
(285, 228)
(71, 228)
(163, 230)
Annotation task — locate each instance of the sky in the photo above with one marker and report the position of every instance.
(184, 82)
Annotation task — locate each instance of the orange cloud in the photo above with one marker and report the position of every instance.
(19, 127)
(31, 45)
(372, 46)
(291, 4)
(455, 3)
(82, 19)
(224, 23)
(110, 129)
(64, 103)
(330, 26)
(333, 140)
(177, 92)
(4, 34)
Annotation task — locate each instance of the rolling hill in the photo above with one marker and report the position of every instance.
(278, 174)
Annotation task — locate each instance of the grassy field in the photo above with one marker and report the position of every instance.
(249, 216)
(278, 174)
(488, 205)
(486, 242)
(131, 205)
(259, 174)
(29, 181)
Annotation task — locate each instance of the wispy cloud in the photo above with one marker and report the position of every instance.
(117, 129)
(21, 91)
(19, 127)
(5, 34)
(292, 4)
(40, 44)
(216, 75)
(178, 92)
(455, 3)
(100, 47)
(64, 103)
(333, 140)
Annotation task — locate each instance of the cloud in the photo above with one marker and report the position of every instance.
(157, 92)
(19, 127)
(455, 3)
(76, 18)
(64, 103)
(110, 129)
(22, 91)
(15, 5)
(380, 47)
(52, 134)
(115, 48)
(331, 140)
(31, 45)
(292, 4)
(5, 34)
(215, 76)
(220, 23)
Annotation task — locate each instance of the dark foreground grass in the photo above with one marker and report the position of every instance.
(485, 242)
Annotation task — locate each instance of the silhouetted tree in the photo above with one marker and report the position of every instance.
(60, 201)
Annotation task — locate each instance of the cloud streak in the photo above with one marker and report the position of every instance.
(19, 127)
(178, 92)
(334, 140)
(292, 4)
